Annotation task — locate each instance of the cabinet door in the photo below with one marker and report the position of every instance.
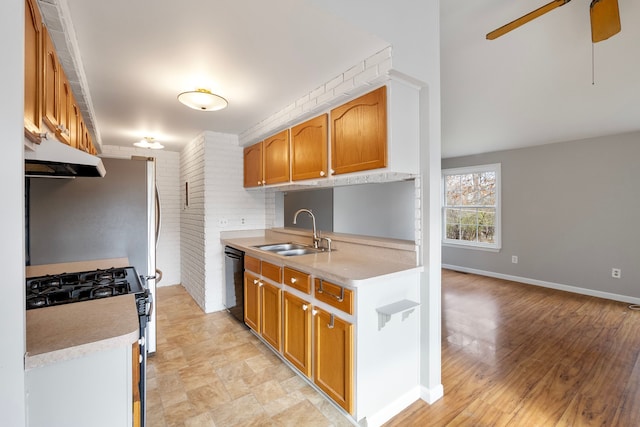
(51, 83)
(296, 345)
(65, 105)
(253, 165)
(252, 301)
(333, 358)
(276, 158)
(33, 89)
(359, 133)
(309, 149)
(74, 122)
(270, 296)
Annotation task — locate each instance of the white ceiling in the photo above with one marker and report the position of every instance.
(531, 86)
(534, 85)
(259, 55)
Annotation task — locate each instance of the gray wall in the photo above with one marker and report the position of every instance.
(382, 210)
(377, 209)
(570, 212)
(91, 218)
(319, 201)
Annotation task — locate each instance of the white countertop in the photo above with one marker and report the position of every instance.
(347, 267)
(68, 331)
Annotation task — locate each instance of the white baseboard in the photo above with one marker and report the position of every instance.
(431, 395)
(544, 284)
(393, 409)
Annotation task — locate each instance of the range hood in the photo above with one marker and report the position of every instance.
(53, 159)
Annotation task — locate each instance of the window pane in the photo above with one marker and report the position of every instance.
(453, 231)
(452, 216)
(468, 232)
(453, 196)
(486, 234)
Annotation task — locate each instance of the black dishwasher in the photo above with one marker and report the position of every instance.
(234, 279)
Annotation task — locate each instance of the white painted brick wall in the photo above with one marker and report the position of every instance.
(213, 166)
(168, 181)
(366, 72)
(192, 220)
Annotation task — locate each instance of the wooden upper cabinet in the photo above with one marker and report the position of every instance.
(309, 149)
(51, 113)
(74, 122)
(66, 101)
(276, 158)
(359, 133)
(32, 71)
(253, 165)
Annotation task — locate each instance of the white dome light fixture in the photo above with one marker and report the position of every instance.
(149, 142)
(203, 100)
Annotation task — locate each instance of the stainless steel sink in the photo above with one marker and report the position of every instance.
(275, 247)
(301, 251)
(289, 249)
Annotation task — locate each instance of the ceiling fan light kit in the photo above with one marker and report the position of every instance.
(605, 19)
(202, 100)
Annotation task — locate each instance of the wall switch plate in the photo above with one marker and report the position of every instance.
(616, 273)
(514, 259)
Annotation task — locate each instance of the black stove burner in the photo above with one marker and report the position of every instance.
(65, 288)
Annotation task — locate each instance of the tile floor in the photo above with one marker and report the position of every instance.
(209, 370)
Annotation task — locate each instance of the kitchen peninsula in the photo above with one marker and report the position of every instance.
(347, 320)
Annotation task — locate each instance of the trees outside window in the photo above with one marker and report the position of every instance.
(471, 206)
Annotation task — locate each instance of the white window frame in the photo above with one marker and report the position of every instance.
(497, 245)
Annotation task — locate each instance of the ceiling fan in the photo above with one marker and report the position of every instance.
(605, 19)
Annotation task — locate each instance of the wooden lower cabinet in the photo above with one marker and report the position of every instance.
(333, 358)
(135, 366)
(252, 301)
(270, 299)
(296, 321)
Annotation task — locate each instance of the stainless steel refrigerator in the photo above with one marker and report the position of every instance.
(89, 218)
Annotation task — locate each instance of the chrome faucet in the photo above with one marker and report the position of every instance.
(316, 239)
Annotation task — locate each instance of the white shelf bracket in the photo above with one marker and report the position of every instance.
(405, 306)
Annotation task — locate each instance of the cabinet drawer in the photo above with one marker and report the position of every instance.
(271, 272)
(297, 279)
(334, 295)
(252, 264)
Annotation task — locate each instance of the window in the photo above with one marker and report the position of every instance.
(471, 206)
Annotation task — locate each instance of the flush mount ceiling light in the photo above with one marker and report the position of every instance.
(149, 142)
(203, 100)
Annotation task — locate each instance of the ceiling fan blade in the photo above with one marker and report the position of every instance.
(605, 19)
(526, 18)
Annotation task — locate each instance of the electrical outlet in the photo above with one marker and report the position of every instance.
(514, 259)
(223, 222)
(616, 273)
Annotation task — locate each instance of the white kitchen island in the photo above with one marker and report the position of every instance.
(78, 366)
(383, 277)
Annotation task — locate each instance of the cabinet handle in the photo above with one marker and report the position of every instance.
(304, 307)
(264, 182)
(332, 171)
(293, 280)
(255, 281)
(339, 298)
(259, 183)
(260, 284)
(330, 325)
(322, 173)
(314, 311)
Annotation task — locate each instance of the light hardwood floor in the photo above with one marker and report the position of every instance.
(512, 355)
(519, 355)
